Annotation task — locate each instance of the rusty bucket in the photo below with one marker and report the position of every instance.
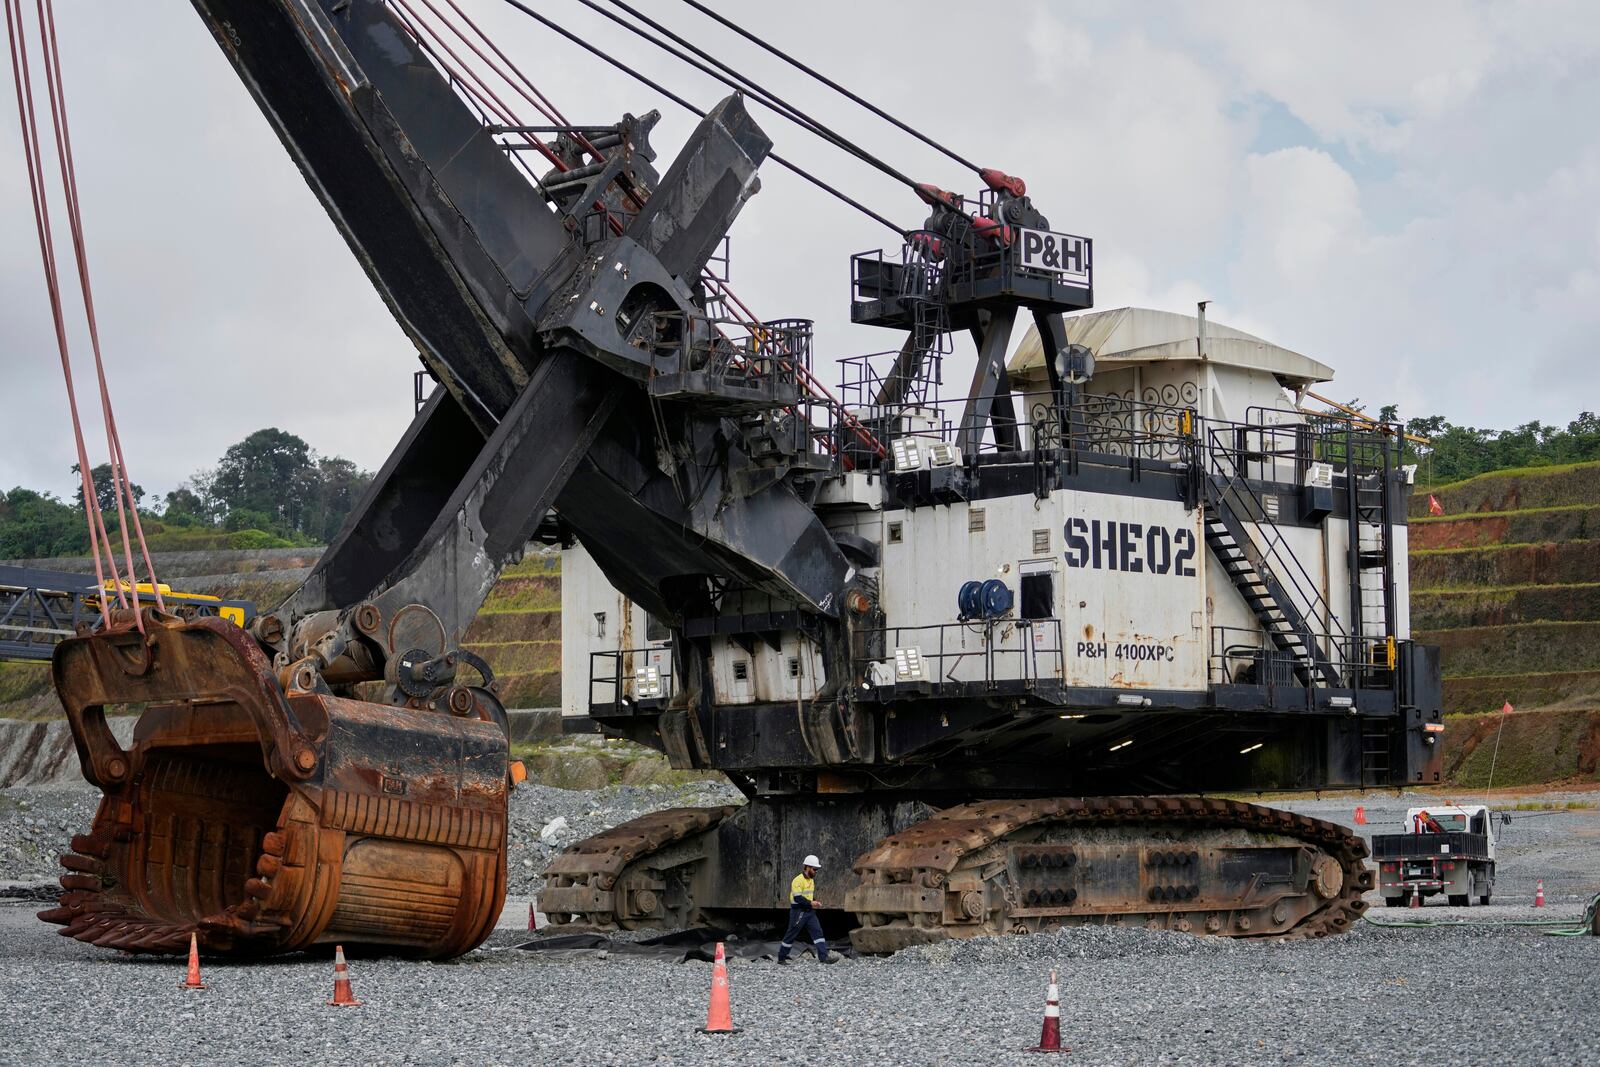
(264, 821)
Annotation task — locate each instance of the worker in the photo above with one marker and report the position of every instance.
(803, 913)
(1427, 824)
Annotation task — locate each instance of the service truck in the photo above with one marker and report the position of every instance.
(1445, 848)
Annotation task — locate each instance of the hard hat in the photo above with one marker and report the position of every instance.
(812, 861)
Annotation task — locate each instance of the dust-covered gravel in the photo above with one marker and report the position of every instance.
(1381, 997)
(535, 807)
(36, 824)
(1444, 996)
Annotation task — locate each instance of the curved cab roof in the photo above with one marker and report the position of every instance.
(1131, 336)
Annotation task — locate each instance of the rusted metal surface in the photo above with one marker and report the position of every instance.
(267, 821)
(1189, 864)
(637, 874)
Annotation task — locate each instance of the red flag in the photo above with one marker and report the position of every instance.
(1506, 709)
(1434, 507)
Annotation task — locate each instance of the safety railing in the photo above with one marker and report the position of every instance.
(916, 271)
(884, 384)
(732, 351)
(963, 264)
(956, 658)
(631, 676)
(1247, 656)
(1165, 425)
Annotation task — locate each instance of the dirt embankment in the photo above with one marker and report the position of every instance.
(1449, 609)
(1534, 748)
(171, 565)
(1514, 490)
(1547, 689)
(1532, 648)
(1536, 526)
(1466, 568)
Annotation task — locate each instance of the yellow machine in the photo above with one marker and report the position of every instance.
(184, 605)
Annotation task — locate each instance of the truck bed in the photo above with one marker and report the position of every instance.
(1455, 844)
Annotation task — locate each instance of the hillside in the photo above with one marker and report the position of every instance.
(1507, 583)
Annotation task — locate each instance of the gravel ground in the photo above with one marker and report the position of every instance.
(36, 824)
(1444, 996)
(535, 807)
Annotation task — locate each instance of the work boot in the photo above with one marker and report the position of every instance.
(832, 957)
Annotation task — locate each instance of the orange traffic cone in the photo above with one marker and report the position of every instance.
(343, 996)
(1050, 1036)
(533, 923)
(1538, 894)
(719, 1016)
(1416, 897)
(192, 981)
(1361, 816)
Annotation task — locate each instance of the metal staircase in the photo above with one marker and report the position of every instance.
(1251, 573)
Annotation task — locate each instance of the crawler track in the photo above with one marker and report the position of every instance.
(1198, 865)
(632, 874)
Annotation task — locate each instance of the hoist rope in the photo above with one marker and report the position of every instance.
(512, 75)
(127, 507)
(650, 83)
(471, 83)
(741, 83)
(99, 538)
(830, 83)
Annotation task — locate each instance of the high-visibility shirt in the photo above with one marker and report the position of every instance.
(802, 887)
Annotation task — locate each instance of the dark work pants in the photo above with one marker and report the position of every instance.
(803, 921)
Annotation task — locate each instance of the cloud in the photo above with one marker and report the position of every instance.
(1424, 219)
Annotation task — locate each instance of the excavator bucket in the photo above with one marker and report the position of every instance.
(264, 821)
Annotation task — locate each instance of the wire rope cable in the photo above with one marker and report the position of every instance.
(830, 83)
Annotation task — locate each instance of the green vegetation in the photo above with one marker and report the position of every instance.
(27, 692)
(270, 490)
(1456, 452)
(1535, 749)
(594, 764)
(512, 594)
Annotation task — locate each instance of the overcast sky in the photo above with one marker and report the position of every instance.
(1407, 192)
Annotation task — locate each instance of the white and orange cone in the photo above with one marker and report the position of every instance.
(1538, 894)
(1416, 897)
(343, 995)
(1050, 1036)
(192, 979)
(719, 1016)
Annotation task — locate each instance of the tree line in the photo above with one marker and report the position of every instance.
(1456, 452)
(269, 490)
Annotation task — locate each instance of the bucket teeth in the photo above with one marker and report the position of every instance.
(83, 864)
(91, 844)
(112, 937)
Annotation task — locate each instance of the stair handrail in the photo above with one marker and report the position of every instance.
(1275, 550)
